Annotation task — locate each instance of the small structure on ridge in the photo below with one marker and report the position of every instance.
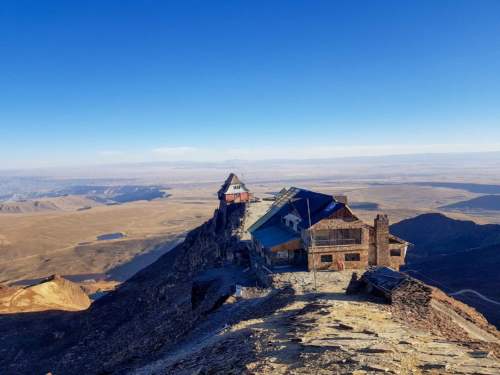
(234, 191)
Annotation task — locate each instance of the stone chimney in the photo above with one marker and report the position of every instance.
(381, 226)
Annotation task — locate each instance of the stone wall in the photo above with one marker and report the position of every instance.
(397, 261)
(338, 252)
(338, 258)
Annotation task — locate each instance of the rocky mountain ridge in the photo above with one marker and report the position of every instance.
(181, 315)
(480, 204)
(459, 257)
(301, 329)
(436, 234)
(17, 207)
(149, 311)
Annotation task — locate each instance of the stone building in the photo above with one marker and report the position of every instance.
(317, 231)
(234, 191)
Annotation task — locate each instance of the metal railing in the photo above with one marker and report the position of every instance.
(337, 242)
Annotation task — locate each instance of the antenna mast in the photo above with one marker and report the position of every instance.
(311, 239)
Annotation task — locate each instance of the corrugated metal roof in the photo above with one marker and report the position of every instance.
(282, 200)
(297, 200)
(320, 206)
(232, 179)
(274, 235)
(384, 278)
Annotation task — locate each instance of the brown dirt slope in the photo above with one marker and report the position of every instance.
(53, 293)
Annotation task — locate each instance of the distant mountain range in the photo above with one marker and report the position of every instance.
(437, 234)
(456, 256)
(27, 206)
(109, 194)
(105, 194)
(471, 187)
(368, 206)
(483, 203)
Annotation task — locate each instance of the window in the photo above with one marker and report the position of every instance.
(326, 259)
(282, 254)
(352, 257)
(338, 237)
(395, 253)
(321, 237)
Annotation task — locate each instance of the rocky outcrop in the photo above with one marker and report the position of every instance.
(312, 327)
(428, 307)
(53, 293)
(152, 310)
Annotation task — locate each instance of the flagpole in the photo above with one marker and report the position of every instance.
(311, 239)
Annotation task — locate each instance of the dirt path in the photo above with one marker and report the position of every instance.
(324, 332)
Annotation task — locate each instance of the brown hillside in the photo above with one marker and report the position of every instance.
(53, 293)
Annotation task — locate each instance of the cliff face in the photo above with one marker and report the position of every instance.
(150, 311)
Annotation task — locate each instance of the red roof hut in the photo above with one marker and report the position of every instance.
(234, 191)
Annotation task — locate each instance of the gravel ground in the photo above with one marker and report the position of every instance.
(296, 330)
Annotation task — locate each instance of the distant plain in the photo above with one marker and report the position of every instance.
(35, 245)
(63, 240)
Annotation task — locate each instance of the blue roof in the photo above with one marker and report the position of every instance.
(320, 206)
(296, 200)
(274, 235)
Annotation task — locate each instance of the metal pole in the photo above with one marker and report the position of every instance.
(311, 239)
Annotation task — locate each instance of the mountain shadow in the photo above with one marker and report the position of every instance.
(483, 203)
(460, 257)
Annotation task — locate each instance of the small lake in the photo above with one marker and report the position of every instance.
(110, 236)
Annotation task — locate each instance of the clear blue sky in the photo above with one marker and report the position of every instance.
(106, 81)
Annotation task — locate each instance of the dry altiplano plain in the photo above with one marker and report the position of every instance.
(37, 244)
